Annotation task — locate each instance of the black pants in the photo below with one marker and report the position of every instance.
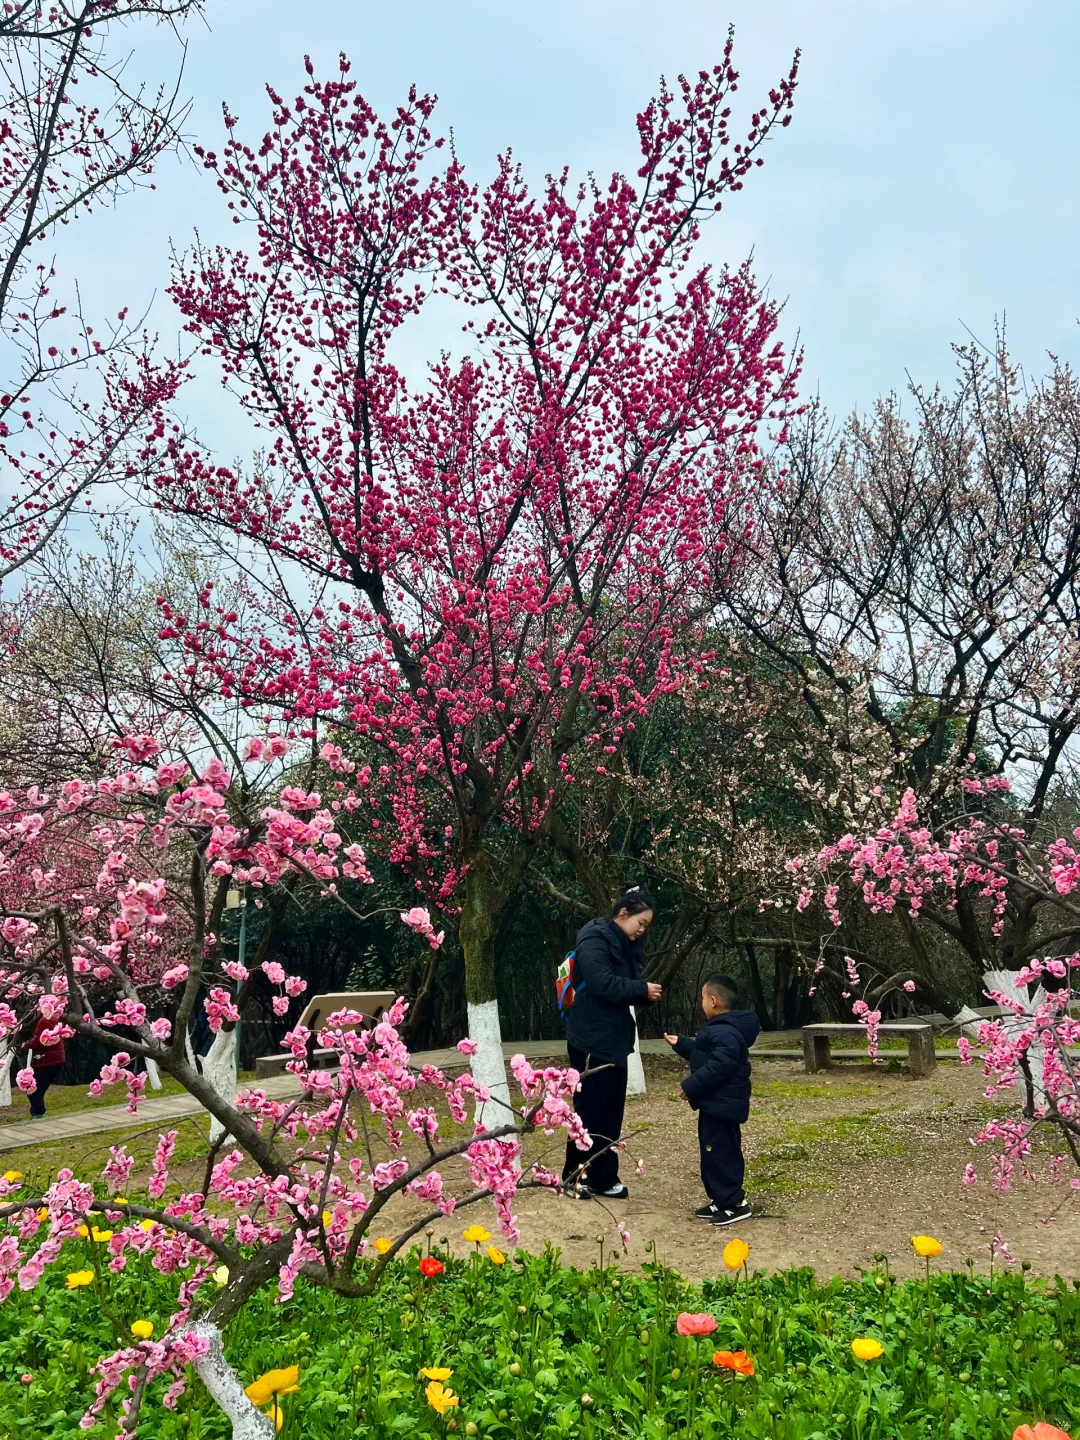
(722, 1165)
(45, 1075)
(600, 1102)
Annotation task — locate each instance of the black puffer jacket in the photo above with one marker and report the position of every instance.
(719, 1055)
(607, 971)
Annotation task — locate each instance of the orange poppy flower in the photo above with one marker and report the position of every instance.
(736, 1360)
(1039, 1431)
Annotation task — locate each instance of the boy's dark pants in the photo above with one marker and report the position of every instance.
(600, 1102)
(722, 1164)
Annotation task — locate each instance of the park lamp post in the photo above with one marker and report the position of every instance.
(237, 900)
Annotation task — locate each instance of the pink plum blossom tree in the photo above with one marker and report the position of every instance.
(985, 859)
(112, 893)
(500, 560)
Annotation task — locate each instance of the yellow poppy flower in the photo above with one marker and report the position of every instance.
(80, 1277)
(735, 1253)
(382, 1245)
(84, 1233)
(496, 1256)
(926, 1246)
(275, 1382)
(867, 1349)
(326, 1219)
(476, 1235)
(43, 1213)
(276, 1415)
(436, 1372)
(439, 1398)
(13, 1176)
(147, 1225)
(221, 1276)
(101, 1236)
(142, 1329)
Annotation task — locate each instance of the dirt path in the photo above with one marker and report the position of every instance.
(841, 1165)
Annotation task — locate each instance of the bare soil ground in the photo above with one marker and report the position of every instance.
(840, 1165)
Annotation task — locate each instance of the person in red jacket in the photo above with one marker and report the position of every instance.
(47, 1063)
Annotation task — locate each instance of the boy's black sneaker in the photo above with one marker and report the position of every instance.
(707, 1212)
(732, 1217)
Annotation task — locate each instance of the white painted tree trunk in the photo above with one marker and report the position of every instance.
(488, 1064)
(248, 1422)
(153, 1075)
(218, 1066)
(6, 1052)
(635, 1071)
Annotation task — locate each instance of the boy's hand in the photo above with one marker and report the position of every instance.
(672, 1039)
(655, 991)
(684, 1095)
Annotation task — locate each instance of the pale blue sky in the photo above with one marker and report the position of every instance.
(928, 181)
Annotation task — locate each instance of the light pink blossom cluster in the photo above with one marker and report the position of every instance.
(1030, 1049)
(310, 1201)
(298, 1187)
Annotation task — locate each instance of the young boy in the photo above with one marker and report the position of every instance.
(718, 1088)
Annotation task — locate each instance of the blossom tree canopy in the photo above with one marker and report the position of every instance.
(508, 563)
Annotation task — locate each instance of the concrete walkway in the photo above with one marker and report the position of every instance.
(164, 1109)
(161, 1110)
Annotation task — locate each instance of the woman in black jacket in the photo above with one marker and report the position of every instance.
(600, 1036)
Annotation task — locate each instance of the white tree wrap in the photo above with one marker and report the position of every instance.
(248, 1422)
(488, 1065)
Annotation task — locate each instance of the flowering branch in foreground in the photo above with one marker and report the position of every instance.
(111, 895)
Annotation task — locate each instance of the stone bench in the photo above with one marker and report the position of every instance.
(817, 1044)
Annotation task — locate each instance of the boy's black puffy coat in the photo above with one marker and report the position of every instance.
(607, 974)
(719, 1055)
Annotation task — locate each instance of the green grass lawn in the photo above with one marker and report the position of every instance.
(535, 1350)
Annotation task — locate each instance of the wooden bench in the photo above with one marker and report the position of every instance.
(817, 1044)
(267, 1065)
(369, 1004)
